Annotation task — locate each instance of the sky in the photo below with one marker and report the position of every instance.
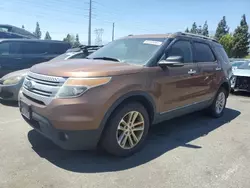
(60, 17)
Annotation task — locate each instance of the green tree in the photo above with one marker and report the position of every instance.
(194, 28)
(187, 30)
(205, 29)
(70, 39)
(47, 36)
(199, 30)
(241, 39)
(38, 32)
(227, 42)
(77, 41)
(222, 29)
(23, 27)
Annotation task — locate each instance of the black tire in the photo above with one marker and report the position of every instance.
(109, 141)
(212, 109)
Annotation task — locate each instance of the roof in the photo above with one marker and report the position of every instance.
(32, 40)
(150, 36)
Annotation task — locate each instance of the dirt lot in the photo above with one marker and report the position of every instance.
(192, 151)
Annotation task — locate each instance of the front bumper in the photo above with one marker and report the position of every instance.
(10, 92)
(241, 83)
(66, 127)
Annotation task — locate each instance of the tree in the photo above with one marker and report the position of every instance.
(187, 30)
(23, 27)
(199, 30)
(47, 36)
(77, 41)
(227, 42)
(38, 32)
(70, 39)
(194, 28)
(222, 29)
(241, 39)
(205, 29)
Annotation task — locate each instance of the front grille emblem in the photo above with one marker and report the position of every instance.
(30, 85)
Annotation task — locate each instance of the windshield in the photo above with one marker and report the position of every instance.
(245, 65)
(237, 63)
(130, 50)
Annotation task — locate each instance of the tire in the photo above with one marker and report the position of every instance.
(213, 109)
(111, 135)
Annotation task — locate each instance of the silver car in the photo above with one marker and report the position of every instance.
(240, 81)
(11, 83)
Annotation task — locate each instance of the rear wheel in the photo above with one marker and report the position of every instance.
(127, 130)
(219, 103)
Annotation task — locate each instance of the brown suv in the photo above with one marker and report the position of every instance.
(114, 96)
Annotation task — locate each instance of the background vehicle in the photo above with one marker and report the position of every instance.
(236, 64)
(240, 80)
(112, 97)
(18, 54)
(11, 83)
(10, 31)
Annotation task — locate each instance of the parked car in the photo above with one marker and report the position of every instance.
(18, 54)
(10, 31)
(112, 98)
(236, 64)
(11, 83)
(240, 80)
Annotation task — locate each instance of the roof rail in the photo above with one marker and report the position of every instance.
(195, 35)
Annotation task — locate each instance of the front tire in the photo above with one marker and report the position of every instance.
(126, 130)
(218, 106)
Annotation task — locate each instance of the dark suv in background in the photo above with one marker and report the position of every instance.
(10, 31)
(18, 54)
(113, 97)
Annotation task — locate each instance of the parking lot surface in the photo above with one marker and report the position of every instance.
(191, 151)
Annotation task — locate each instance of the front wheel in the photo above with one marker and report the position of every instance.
(127, 130)
(219, 104)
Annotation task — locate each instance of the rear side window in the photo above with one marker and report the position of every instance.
(203, 53)
(4, 48)
(222, 54)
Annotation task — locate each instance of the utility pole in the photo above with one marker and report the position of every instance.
(113, 31)
(90, 19)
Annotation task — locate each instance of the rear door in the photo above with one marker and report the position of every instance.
(208, 67)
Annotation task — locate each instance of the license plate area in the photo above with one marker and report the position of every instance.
(25, 110)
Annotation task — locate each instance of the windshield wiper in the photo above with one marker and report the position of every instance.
(107, 58)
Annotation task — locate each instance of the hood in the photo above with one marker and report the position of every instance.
(85, 68)
(241, 72)
(16, 73)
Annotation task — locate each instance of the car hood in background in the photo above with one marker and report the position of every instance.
(241, 72)
(85, 68)
(16, 73)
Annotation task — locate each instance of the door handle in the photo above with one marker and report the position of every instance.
(218, 68)
(191, 71)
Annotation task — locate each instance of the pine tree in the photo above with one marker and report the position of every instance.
(77, 41)
(199, 30)
(70, 39)
(187, 30)
(23, 27)
(194, 28)
(205, 29)
(47, 36)
(241, 39)
(38, 32)
(222, 29)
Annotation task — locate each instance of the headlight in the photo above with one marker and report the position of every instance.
(74, 87)
(12, 80)
(233, 81)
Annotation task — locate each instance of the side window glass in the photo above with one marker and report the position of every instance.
(4, 48)
(203, 53)
(183, 49)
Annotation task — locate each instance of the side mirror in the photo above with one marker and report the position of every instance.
(172, 61)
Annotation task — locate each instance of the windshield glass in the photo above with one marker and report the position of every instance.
(130, 50)
(237, 63)
(245, 65)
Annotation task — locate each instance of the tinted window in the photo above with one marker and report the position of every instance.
(58, 48)
(222, 53)
(183, 49)
(203, 53)
(4, 48)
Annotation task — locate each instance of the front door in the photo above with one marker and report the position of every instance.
(178, 84)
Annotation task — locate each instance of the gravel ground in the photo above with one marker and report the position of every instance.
(192, 151)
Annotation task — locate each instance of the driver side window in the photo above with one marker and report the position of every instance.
(181, 48)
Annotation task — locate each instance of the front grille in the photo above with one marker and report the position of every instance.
(243, 83)
(41, 88)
